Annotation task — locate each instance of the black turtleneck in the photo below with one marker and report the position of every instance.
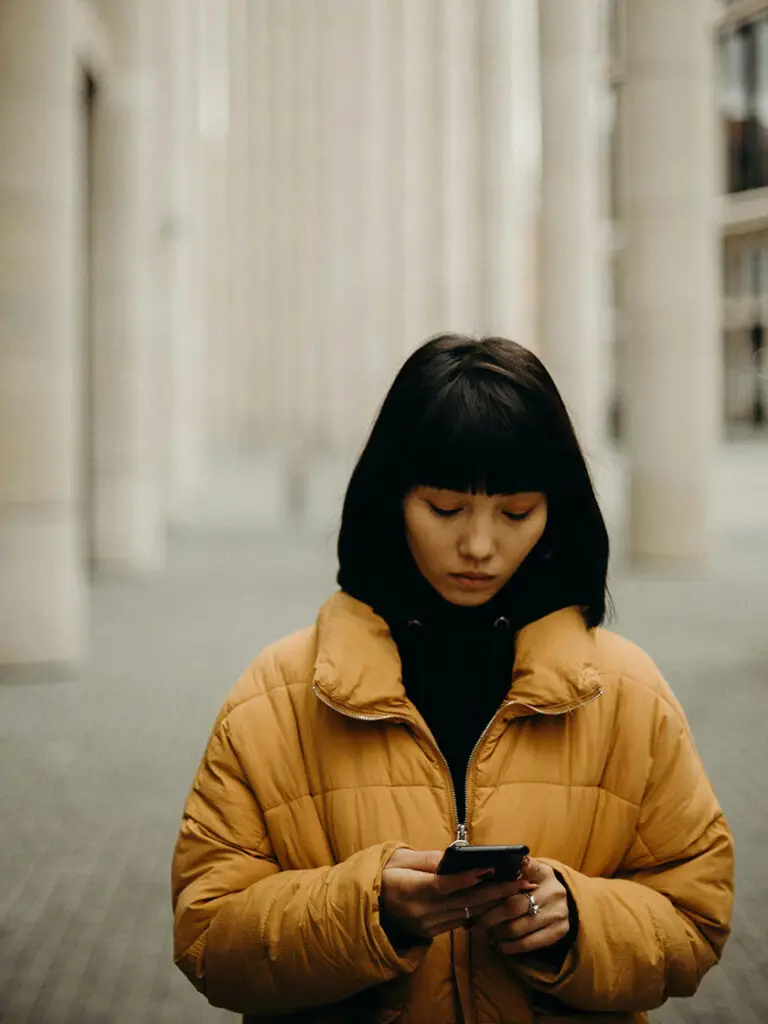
(457, 670)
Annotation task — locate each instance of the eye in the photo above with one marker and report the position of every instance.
(444, 513)
(518, 517)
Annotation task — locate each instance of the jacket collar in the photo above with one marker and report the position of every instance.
(358, 667)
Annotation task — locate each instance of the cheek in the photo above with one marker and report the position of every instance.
(525, 543)
(537, 531)
(420, 536)
(412, 532)
(429, 547)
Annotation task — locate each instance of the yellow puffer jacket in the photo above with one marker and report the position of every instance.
(319, 767)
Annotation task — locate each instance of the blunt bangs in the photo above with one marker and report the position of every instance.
(474, 438)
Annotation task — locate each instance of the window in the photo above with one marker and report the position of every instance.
(744, 103)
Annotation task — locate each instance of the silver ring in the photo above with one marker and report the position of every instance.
(467, 913)
(533, 906)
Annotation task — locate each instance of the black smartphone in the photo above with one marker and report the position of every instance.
(507, 861)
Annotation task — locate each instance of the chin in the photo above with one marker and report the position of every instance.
(468, 599)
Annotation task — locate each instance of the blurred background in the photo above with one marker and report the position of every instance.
(223, 226)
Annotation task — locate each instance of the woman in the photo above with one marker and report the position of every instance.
(458, 687)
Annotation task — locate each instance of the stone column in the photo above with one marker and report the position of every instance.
(340, 162)
(128, 425)
(510, 174)
(671, 276)
(293, 95)
(240, 185)
(263, 351)
(214, 129)
(460, 88)
(310, 400)
(423, 179)
(574, 260)
(185, 387)
(283, 220)
(161, 43)
(385, 337)
(42, 594)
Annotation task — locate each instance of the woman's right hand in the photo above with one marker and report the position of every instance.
(418, 903)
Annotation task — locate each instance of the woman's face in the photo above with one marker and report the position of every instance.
(468, 546)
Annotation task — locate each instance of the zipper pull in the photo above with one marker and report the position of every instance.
(461, 835)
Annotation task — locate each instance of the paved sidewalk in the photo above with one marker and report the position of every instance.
(95, 770)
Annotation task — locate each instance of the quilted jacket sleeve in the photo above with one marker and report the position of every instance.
(258, 940)
(653, 931)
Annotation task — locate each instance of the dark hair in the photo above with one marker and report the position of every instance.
(481, 416)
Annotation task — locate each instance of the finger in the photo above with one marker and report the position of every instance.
(515, 928)
(436, 924)
(416, 860)
(508, 887)
(488, 894)
(449, 918)
(517, 903)
(550, 899)
(448, 885)
(536, 871)
(542, 938)
(510, 909)
(465, 909)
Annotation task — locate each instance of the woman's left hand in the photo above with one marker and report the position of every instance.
(515, 928)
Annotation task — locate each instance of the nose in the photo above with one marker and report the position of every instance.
(476, 542)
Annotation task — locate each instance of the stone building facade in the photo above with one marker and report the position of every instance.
(224, 223)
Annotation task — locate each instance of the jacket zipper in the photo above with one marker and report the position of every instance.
(461, 826)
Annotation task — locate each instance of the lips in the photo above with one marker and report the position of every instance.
(472, 580)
